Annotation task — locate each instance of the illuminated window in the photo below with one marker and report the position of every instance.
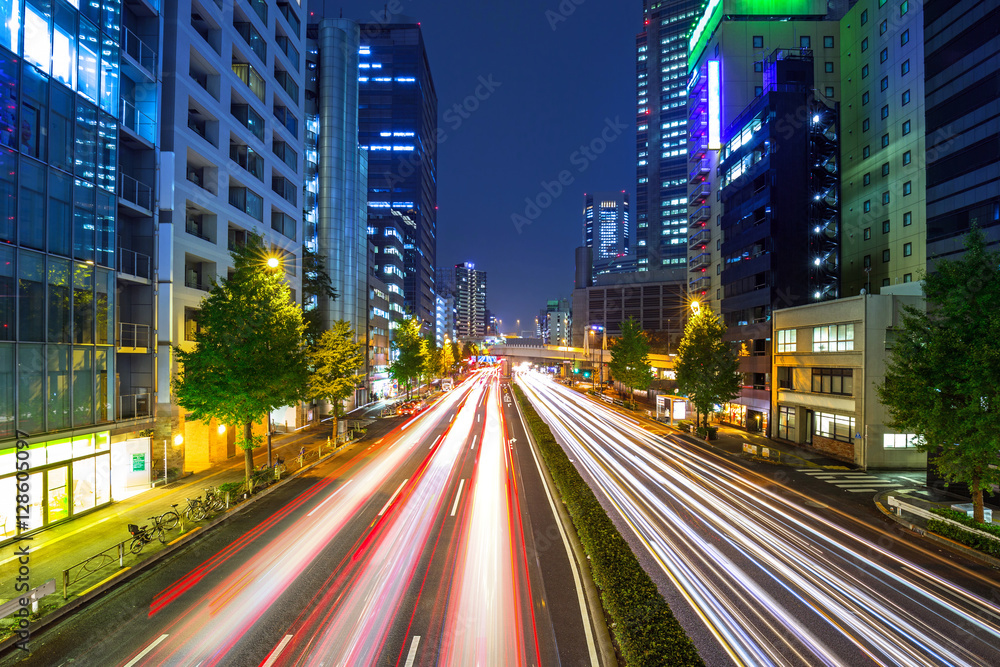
(864, 17)
(786, 340)
(829, 91)
(904, 7)
(905, 67)
(758, 41)
(885, 168)
(907, 277)
(885, 140)
(865, 125)
(883, 27)
(828, 42)
(906, 97)
(833, 381)
(866, 151)
(833, 338)
(904, 37)
(885, 256)
(866, 179)
(885, 198)
(884, 55)
(867, 206)
(906, 127)
(885, 112)
(864, 71)
(868, 233)
(884, 83)
(829, 67)
(864, 98)
(885, 226)
(864, 42)
(37, 37)
(758, 66)
(907, 157)
(804, 42)
(899, 440)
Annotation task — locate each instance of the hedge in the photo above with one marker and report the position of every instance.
(980, 542)
(644, 628)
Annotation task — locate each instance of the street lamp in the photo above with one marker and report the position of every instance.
(695, 307)
(272, 262)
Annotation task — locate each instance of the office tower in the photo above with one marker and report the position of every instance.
(661, 137)
(883, 175)
(470, 301)
(961, 59)
(554, 322)
(398, 126)
(606, 229)
(763, 186)
(232, 143)
(79, 94)
(336, 176)
(444, 319)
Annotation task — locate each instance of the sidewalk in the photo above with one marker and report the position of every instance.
(72, 543)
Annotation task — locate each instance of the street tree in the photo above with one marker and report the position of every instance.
(446, 358)
(248, 357)
(630, 358)
(707, 367)
(941, 377)
(431, 356)
(335, 359)
(407, 346)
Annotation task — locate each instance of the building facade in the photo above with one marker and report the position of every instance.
(232, 146)
(828, 359)
(607, 229)
(661, 137)
(470, 301)
(398, 127)
(79, 96)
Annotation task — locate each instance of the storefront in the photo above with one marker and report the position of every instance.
(754, 421)
(67, 477)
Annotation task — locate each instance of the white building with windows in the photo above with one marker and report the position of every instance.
(828, 358)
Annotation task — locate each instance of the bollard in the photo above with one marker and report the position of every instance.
(121, 554)
(227, 500)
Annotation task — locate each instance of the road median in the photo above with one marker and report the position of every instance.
(642, 624)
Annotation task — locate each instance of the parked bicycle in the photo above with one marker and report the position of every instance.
(143, 536)
(214, 501)
(168, 519)
(195, 510)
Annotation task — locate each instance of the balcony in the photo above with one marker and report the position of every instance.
(133, 338)
(285, 189)
(699, 149)
(287, 119)
(700, 263)
(283, 224)
(700, 171)
(194, 225)
(287, 84)
(135, 192)
(135, 265)
(260, 7)
(700, 217)
(141, 54)
(289, 14)
(700, 284)
(285, 153)
(195, 278)
(247, 158)
(253, 39)
(249, 118)
(135, 406)
(247, 201)
(290, 51)
(138, 123)
(700, 194)
(700, 240)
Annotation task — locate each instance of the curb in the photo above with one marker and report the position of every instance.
(129, 573)
(934, 537)
(602, 634)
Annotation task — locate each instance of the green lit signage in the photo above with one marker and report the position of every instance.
(138, 462)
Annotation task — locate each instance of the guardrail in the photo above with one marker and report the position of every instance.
(74, 573)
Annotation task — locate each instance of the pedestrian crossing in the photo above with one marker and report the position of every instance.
(855, 482)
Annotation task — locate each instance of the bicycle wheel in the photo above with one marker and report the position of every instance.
(136, 545)
(161, 535)
(169, 520)
(198, 512)
(218, 503)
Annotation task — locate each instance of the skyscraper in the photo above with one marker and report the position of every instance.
(232, 146)
(470, 301)
(607, 229)
(398, 126)
(79, 96)
(661, 137)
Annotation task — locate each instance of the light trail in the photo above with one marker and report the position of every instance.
(772, 581)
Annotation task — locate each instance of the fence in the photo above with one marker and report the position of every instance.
(902, 507)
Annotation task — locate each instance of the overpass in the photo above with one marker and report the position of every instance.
(551, 355)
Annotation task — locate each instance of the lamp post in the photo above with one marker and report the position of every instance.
(273, 263)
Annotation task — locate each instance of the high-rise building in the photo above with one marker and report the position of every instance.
(883, 179)
(232, 144)
(398, 126)
(606, 229)
(763, 189)
(961, 48)
(470, 301)
(79, 95)
(661, 137)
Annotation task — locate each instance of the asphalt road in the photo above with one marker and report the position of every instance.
(435, 544)
(770, 566)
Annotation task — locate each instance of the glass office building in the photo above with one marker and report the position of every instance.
(69, 76)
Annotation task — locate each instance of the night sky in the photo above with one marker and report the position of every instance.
(561, 84)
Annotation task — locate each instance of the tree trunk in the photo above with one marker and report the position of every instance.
(977, 500)
(336, 421)
(248, 451)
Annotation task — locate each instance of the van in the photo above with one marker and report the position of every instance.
(447, 384)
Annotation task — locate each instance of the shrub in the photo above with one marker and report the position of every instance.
(980, 542)
(646, 631)
(685, 426)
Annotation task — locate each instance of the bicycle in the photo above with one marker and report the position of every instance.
(195, 510)
(168, 520)
(214, 502)
(143, 536)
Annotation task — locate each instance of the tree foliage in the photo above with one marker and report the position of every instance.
(630, 357)
(248, 357)
(446, 358)
(407, 346)
(941, 378)
(335, 360)
(707, 368)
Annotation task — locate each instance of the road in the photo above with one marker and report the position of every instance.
(416, 549)
(761, 572)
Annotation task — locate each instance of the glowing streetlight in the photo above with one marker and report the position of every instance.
(272, 262)
(695, 307)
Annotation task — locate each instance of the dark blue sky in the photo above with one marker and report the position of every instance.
(561, 79)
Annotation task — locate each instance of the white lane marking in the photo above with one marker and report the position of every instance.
(856, 490)
(856, 484)
(271, 659)
(474, 442)
(458, 496)
(412, 655)
(479, 418)
(436, 440)
(451, 418)
(145, 651)
(329, 498)
(393, 497)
